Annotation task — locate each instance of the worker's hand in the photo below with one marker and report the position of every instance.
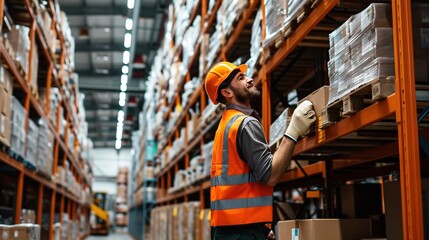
(302, 118)
(271, 235)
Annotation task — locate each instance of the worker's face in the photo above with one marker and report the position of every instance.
(244, 88)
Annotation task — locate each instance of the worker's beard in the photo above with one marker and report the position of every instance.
(244, 95)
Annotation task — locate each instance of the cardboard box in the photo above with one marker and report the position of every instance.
(24, 232)
(420, 14)
(287, 229)
(360, 200)
(392, 203)
(421, 70)
(319, 98)
(7, 102)
(5, 129)
(4, 232)
(322, 229)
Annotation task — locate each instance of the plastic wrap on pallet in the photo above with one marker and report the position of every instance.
(374, 16)
(275, 15)
(18, 115)
(371, 44)
(278, 127)
(20, 42)
(189, 41)
(214, 45)
(32, 134)
(338, 39)
(34, 68)
(339, 65)
(210, 6)
(205, 39)
(255, 44)
(293, 8)
(359, 76)
(181, 23)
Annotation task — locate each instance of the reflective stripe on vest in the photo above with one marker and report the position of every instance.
(241, 203)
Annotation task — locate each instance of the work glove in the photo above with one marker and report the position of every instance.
(301, 120)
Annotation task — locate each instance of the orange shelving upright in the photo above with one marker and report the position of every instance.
(46, 188)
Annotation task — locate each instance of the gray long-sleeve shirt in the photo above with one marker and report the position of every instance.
(252, 145)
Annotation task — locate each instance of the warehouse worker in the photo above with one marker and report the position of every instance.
(243, 170)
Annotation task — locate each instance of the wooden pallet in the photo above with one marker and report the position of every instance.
(16, 156)
(7, 47)
(20, 69)
(29, 165)
(34, 91)
(356, 100)
(4, 147)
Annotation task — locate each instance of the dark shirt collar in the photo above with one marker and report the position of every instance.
(245, 110)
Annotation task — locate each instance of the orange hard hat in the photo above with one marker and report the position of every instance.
(217, 75)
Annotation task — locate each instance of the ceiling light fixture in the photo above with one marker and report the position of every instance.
(124, 77)
(121, 103)
(126, 57)
(123, 87)
(120, 116)
(122, 96)
(130, 4)
(127, 40)
(128, 24)
(124, 70)
(118, 144)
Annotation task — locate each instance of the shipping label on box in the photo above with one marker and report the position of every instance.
(287, 230)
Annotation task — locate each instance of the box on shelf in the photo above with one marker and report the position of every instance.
(5, 129)
(360, 200)
(321, 229)
(375, 15)
(392, 203)
(319, 98)
(20, 232)
(371, 44)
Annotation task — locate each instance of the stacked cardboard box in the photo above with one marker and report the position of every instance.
(320, 229)
(361, 51)
(17, 127)
(189, 42)
(121, 218)
(25, 231)
(45, 145)
(20, 42)
(32, 135)
(179, 222)
(6, 88)
(255, 45)
(275, 15)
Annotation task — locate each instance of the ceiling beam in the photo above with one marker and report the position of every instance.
(145, 12)
(96, 47)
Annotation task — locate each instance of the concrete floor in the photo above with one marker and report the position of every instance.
(111, 236)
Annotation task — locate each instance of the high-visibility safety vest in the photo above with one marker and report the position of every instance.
(235, 196)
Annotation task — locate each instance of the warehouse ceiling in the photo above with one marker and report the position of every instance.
(99, 27)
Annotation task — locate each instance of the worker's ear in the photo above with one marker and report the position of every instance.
(226, 92)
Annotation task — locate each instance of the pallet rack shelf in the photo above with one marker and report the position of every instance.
(394, 116)
(55, 202)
